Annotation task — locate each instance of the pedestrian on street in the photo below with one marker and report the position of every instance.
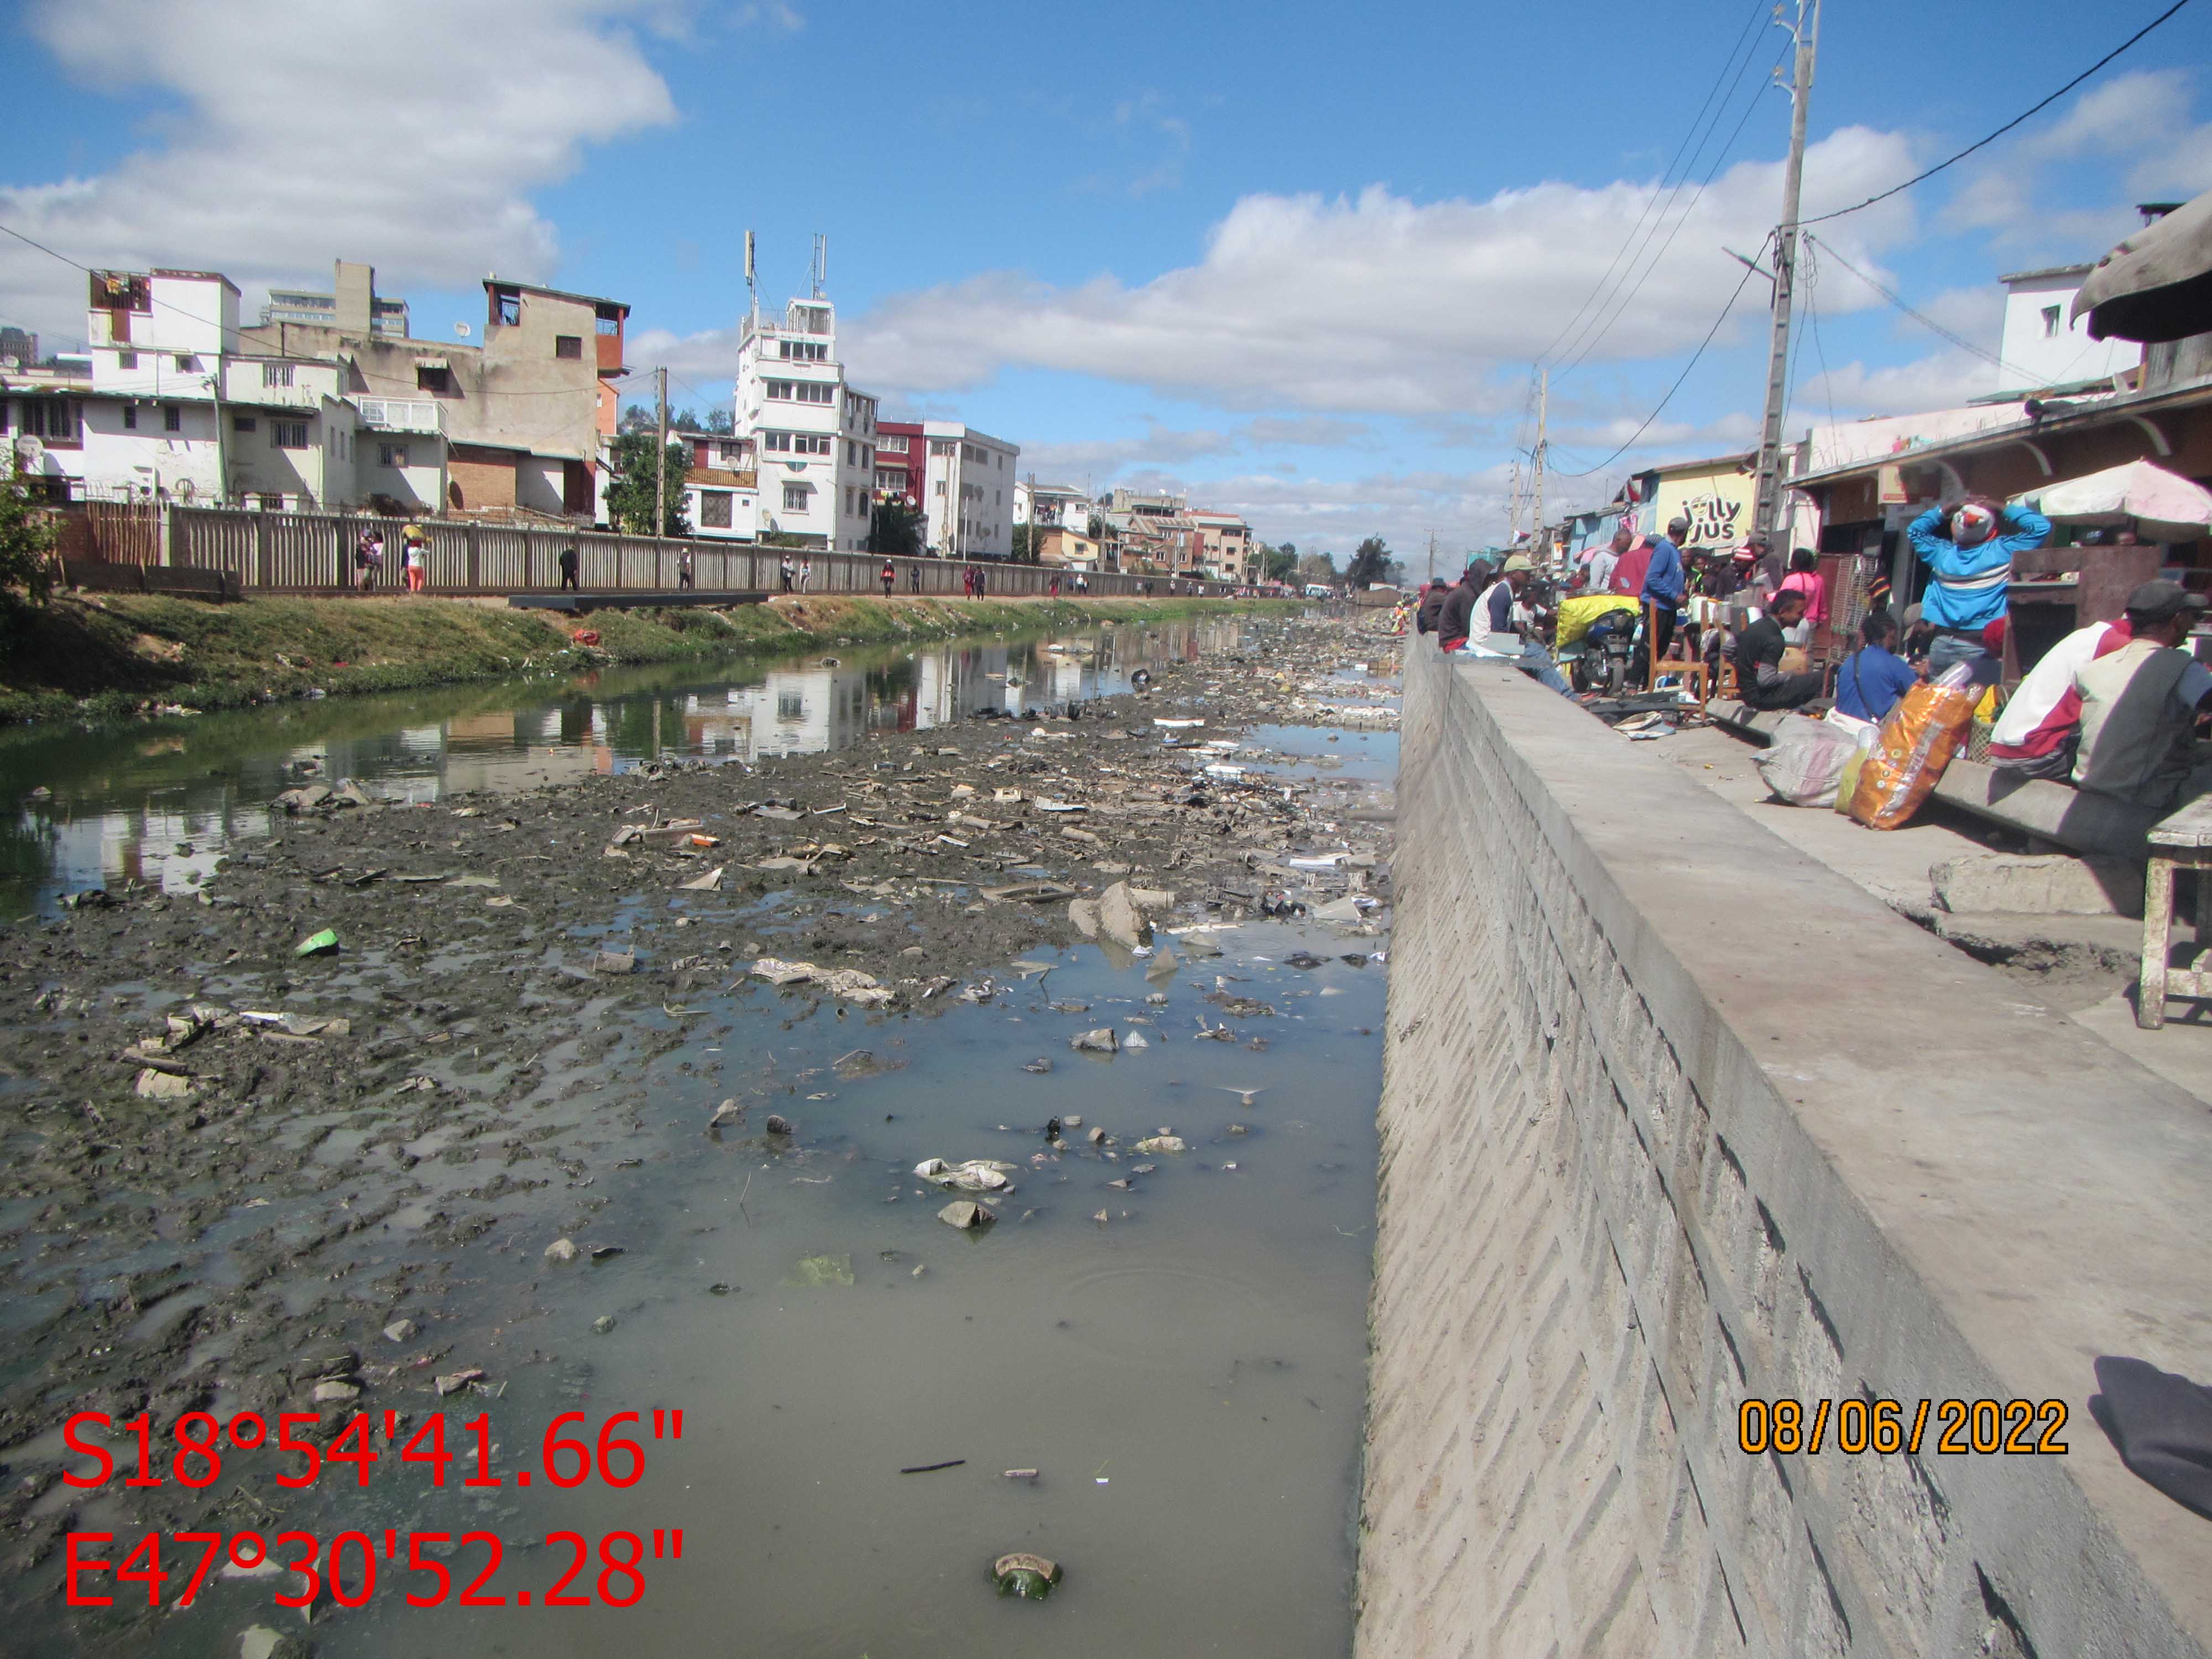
(912, 577)
(789, 571)
(683, 575)
(805, 573)
(1664, 586)
(1970, 571)
(889, 577)
(368, 559)
(568, 568)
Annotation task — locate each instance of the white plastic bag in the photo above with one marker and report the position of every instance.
(1804, 763)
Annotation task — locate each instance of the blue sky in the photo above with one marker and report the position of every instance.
(1297, 258)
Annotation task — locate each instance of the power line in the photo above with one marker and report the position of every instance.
(1719, 161)
(1678, 379)
(1983, 142)
(1921, 317)
(1696, 123)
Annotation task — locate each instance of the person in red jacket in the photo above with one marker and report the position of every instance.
(888, 577)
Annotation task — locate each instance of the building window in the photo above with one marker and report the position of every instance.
(714, 509)
(795, 496)
(507, 307)
(276, 373)
(391, 454)
(940, 486)
(803, 351)
(54, 419)
(895, 442)
(2050, 318)
(272, 503)
(288, 435)
(791, 705)
(568, 345)
(126, 359)
(187, 364)
(430, 379)
(941, 447)
(173, 418)
(130, 417)
(244, 423)
(607, 322)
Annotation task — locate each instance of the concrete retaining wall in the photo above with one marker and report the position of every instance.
(1674, 1116)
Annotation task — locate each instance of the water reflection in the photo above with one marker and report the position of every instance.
(155, 804)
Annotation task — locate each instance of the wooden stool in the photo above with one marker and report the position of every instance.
(2181, 842)
(1694, 668)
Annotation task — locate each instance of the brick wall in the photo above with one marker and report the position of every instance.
(1661, 1131)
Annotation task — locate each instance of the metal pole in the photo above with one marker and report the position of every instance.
(660, 464)
(1543, 407)
(1767, 508)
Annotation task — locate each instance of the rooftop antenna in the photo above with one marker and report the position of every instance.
(821, 267)
(753, 289)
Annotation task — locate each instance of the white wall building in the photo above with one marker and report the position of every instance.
(2040, 343)
(967, 492)
(813, 437)
(1052, 504)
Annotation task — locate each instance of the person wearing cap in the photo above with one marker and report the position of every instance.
(1970, 571)
(2140, 703)
(1495, 622)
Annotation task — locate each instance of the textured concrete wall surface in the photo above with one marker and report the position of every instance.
(1674, 1117)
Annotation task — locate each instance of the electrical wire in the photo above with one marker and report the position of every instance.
(1812, 268)
(2036, 109)
(1697, 122)
(1921, 317)
(1709, 334)
(1719, 161)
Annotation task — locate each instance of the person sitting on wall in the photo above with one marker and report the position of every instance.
(1432, 603)
(2139, 705)
(1498, 622)
(2039, 727)
(1759, 674)
(1455, 616)
(1872, 678)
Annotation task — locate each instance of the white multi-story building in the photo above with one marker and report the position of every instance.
(1052, 504)
(813, 437)
(967, 493)
(2041, 344)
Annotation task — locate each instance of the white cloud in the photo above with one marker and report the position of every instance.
(408, 134)
(1374, 303)
(1945, 380)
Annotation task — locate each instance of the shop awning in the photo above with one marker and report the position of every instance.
(2166, 506)
(2157, 285)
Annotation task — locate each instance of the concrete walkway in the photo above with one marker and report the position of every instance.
(2083, 966)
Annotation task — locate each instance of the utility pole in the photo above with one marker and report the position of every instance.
(661, 459)
(1543, 404)
(1766, 510)
(1513, 531)
(1432, 556)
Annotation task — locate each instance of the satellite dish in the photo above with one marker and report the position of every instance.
(187, 489)
(30, 452)
(461, 329)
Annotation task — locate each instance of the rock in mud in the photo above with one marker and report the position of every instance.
(965, 1214)
(163, 1086)
(1039, 1066)
(615, 963)
(454, 1382)
(728, 1112)
(400, 1330)
(1029, 1577)
(260, 1642)
(561, 1249)
(779, 1125)
(1120, 919)
(977, 1175)
(1162, 1144)
(335, 1393)
(1100, 1041)
(604, 1323)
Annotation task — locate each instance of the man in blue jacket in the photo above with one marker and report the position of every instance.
(1970, 571)
(1664, 585)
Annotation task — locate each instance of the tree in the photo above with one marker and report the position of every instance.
(1370, 562)
(720, 421)
(895, 529)
(1317, 567)
(629, 494)
(1028, 544)
(1282, 562)
(638, 417)
(1098, 528)
(27, 545)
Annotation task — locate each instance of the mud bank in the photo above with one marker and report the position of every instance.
(118, 656)
(236, 1177)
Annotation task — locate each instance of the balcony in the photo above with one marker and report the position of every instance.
(402, 414)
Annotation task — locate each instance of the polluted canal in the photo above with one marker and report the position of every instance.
(952, 1139)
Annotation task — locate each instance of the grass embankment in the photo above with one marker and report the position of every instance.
(113, 656)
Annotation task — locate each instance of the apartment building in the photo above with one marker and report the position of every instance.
(521, 416)
(1052, 504)
(814, 438)
(968, 492)
(1228, 551)
(162, 406)
(721, 491)
(902, 450)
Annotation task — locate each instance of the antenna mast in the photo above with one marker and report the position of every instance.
(820, 270)
(752, 287)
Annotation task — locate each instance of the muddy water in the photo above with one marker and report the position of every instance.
(1185, 1377)
(151, 802)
